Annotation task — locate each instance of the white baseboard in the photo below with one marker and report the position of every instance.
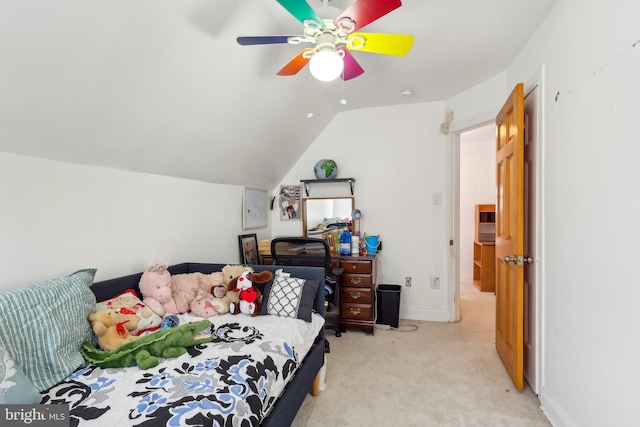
(426, 315)
(553, 411)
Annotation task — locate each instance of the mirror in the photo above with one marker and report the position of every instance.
(322, 213)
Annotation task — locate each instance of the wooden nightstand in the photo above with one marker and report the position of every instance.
(357, 292)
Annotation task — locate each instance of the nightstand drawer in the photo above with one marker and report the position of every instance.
(359, 280)
(356, 311)
(355, 266)
(356, 295)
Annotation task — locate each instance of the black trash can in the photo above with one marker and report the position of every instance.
(388, 304)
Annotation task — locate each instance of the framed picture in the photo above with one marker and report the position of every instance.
(254, 208)
(290, 202)
(248, 244)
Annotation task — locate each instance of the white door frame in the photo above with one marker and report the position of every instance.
(482, 119)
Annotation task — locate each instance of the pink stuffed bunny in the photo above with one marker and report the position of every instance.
(155, 287)
(203, 305)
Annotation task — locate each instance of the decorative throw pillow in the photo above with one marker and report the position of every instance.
(44, 325)
(130, 306)
(290, 297)
(15, 388)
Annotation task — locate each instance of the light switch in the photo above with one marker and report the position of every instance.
(437, 198)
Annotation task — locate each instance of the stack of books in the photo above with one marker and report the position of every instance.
(264, 247)
(333, 239)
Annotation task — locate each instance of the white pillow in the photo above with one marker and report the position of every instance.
(130, 305)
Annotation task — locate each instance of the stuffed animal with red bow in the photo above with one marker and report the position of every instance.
(112, 328)
(250, 296)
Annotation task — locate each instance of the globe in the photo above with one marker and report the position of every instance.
(325, 169)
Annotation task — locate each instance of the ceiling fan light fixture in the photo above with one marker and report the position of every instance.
(332, 37)
(326, 64)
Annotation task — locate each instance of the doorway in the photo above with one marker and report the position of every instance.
(477, 186)
(533, 207)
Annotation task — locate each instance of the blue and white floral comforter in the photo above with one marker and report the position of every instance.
(232, 381)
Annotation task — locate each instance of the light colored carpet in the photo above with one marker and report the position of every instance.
(422, 374)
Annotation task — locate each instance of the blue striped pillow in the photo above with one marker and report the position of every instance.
(43, 326)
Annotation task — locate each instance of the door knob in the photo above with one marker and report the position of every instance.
(508, 259)
(518, 260)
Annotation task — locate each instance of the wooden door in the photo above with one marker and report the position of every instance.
(510, 234)
(530, 277)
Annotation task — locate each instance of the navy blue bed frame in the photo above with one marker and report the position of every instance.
(286, 408)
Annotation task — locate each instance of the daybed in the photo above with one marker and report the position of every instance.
(224, 382)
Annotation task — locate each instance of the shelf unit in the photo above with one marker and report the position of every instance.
(485, 223)
(484, 259)
(484, 266)
(307, 182)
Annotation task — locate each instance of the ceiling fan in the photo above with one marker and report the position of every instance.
(332, 40)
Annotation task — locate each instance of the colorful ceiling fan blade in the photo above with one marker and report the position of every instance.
(364, 12)
(386, 44)
(301, 10)
(296, 64)
(248, 41)
(351, 67)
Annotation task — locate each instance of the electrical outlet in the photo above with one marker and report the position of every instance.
(435, 282)
(407, 282)
(436, 198)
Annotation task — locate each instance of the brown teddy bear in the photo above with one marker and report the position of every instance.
(186, 286)
(112, 328)
(230, 272)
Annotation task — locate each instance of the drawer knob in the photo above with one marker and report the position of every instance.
(353, 267)
(355, 280)
(354, 311)
(355, 295)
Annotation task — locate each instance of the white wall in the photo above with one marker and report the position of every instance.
(56, 218)
(477, 186)
(591, 210)
(590, 226)
(479, 104)
(398, 158)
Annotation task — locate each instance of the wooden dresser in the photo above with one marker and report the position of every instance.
(357, 293)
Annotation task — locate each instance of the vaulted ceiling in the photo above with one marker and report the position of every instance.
(161, 86)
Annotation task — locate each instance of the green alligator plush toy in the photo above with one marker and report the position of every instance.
(146, 350)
